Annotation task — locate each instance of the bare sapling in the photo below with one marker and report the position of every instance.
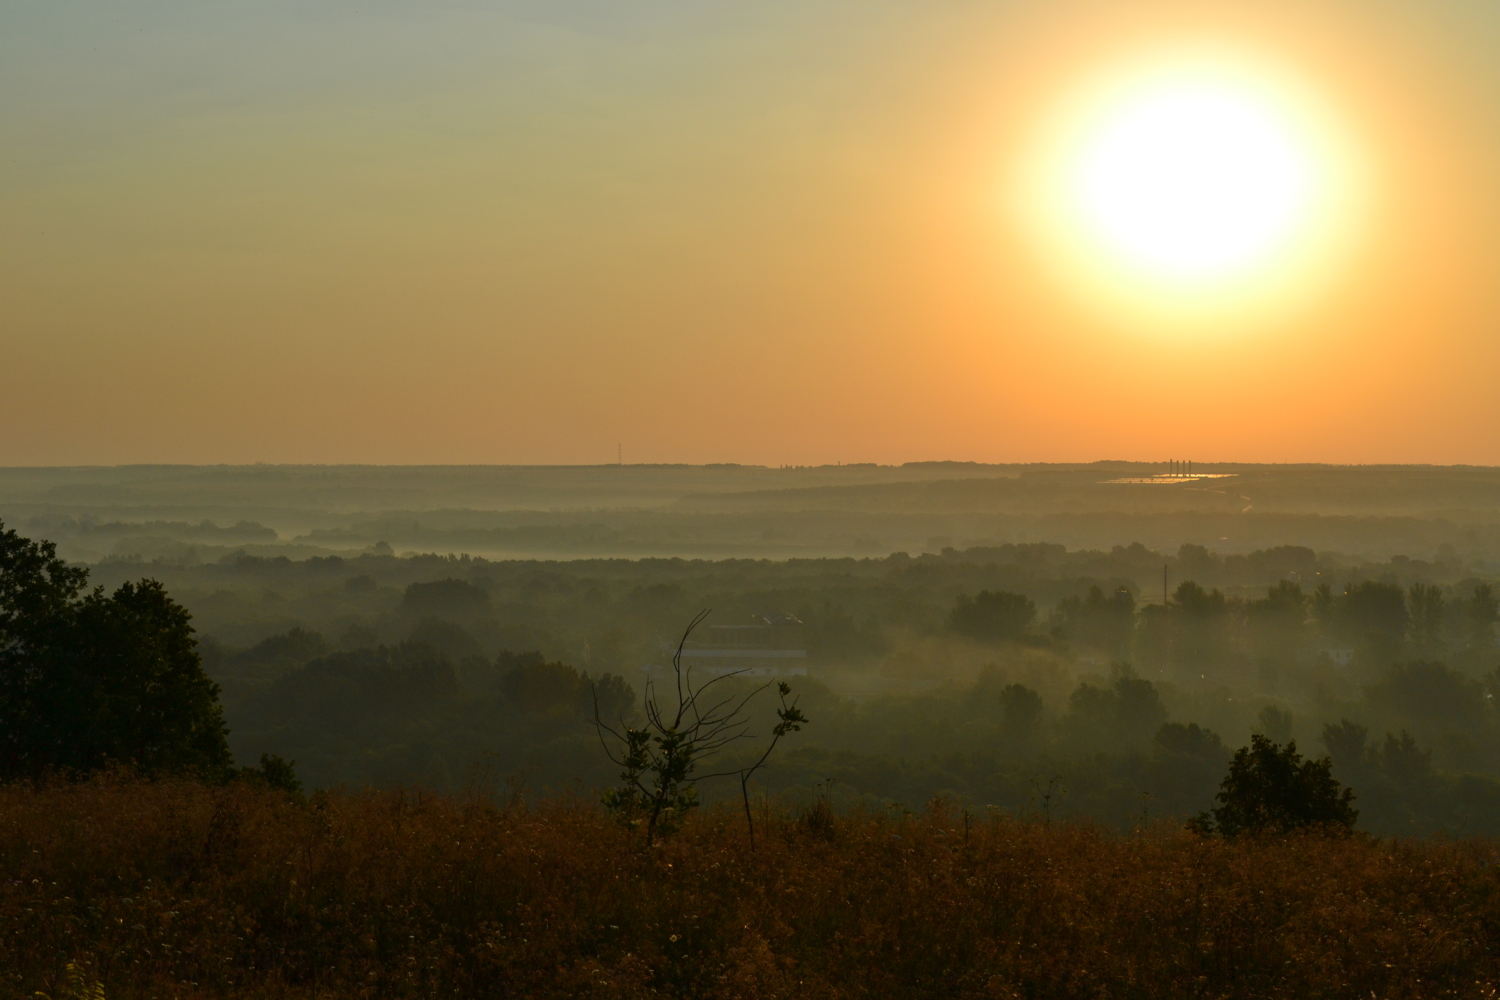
(658, 762)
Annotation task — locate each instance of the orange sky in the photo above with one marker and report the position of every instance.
(771, 233)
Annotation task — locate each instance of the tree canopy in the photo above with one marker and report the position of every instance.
(87, 679)
(993, 615)
(1270, 788)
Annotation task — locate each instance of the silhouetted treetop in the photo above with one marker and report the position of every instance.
(994, 615)
(1270, 788)
(89, 679)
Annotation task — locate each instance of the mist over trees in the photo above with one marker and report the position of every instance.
(1000, 674)
(978, 673)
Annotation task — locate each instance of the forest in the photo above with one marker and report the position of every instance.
(1109, 681)
(994, 675)
(922, 679)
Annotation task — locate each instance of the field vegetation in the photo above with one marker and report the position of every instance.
(175, 888)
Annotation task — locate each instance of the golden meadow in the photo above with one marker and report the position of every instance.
(175, 889)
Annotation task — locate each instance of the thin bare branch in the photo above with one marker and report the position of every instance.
(678, 738)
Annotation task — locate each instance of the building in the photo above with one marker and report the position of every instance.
(1339, 655)
(770, 645)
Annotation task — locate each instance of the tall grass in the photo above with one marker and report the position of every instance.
(175, 889)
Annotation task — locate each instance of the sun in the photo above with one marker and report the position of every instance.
(1194, 178)
(1204, 181)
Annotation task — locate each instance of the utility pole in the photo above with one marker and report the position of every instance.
(1163, 584)
(620, 453)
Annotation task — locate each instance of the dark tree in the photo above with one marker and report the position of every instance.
(993, 615)
(1480, 612)
(613, 694)
(1402, 760)
(1099, 621)
(1277, 621)
(1271, 789)
(87, 679)
(536, 687)
(341, 691)
(36, 590)
(543, 687)
(1275, 724)
(1373, 616)
(1191, 601)
(1432, 695)
(1192, 740)
(1126, 713)
(1200, 624)
(1346, 741)
(1428, 609)
(445, 599)
(1020, 709)
(453, 641)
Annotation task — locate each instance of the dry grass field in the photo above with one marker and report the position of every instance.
(177, 889)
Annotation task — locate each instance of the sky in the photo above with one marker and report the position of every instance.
(788, 232)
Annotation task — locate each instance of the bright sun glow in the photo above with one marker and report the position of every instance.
(1205, 185)
(1194, 178)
